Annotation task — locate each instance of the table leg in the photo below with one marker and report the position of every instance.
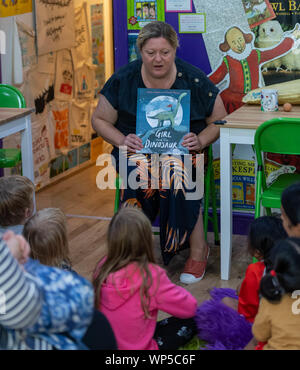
(226, 203)
(26, 149)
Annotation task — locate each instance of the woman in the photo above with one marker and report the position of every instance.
(115, 120)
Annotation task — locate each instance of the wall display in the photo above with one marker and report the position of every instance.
(9, 8)
(64, 76)
(55, 26)
(192, 23)
(258, 11)
(97, 36)
(178, 5)
(81, 52)
(139, 13)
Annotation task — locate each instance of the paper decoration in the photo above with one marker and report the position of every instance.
(41, 148)
(79, 123)
(27, 43)
(97, 35)
(55, 26)
(46, 63)
(64, 77)
(9, 8)
(84, 82)
(59, 118)
(81, 52)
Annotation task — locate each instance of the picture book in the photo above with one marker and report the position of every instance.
(258, 11)
(162, 120)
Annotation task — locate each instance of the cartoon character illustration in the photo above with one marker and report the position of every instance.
(146, 14)
(139, 15)
(66, 86)
(163, 116)
(241, 64)
(152, 13)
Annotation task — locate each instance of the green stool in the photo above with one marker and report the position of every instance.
(209, 198)
(10, 97)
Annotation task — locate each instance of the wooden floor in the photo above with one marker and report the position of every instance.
(88, 211)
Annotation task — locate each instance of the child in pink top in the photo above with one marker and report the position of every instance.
(130, 289)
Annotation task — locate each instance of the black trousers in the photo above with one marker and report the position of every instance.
(172, 333)
(99, 335)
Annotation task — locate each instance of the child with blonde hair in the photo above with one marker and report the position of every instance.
(46, 233)
(16, 202)
(130, 289)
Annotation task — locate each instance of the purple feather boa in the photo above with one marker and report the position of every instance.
(220, 326)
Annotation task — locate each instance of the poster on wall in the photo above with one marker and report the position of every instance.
(258, 12)
(178, 5)
(97, 36)
(139, 13)
(133, 51)
(55, 26)
(10, 8)
(286, 67)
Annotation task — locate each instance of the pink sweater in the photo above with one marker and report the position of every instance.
(121, 304)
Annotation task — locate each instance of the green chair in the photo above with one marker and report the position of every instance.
(10, 97)
(277, 135)
(209, 198)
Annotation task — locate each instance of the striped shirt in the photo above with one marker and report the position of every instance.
(20, 298)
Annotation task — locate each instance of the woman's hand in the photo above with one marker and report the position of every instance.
(133, 143)
(17, 245)
(192, 142)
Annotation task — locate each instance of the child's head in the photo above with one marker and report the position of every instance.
(285, 275)
(129, 239)
(46, 233)
(290, 209)
(264, 232)
(16, 200)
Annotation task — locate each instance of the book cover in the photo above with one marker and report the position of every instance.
(162, 120)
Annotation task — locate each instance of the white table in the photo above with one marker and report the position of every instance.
(239, 129)
(13, 120)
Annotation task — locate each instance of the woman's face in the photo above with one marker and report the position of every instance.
(158, 57)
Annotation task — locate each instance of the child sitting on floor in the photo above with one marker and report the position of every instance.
(130, 289)
(290, 210)
(225, 321)
(41, 307)
(16, 202)
(46, 233)
(277, 322)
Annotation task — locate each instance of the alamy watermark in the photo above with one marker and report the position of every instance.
(2, 42)
(153, 171)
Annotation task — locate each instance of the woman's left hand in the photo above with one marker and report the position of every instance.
(192, 142)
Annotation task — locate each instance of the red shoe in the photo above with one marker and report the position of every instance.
(194, 270)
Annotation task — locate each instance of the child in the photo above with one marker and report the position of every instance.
(16, 202)
(130, 288)
(46, 233)
(278, 319)
(290, 210)
(225, 321)
(41, 307)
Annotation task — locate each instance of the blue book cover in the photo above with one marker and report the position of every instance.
(162, 120)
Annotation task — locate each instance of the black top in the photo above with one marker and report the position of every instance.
(121, 91)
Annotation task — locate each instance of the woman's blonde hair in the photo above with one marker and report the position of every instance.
(129, 239)
(46, 233)
(16, 196)
(157, 29)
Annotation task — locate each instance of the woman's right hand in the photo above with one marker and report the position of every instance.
(133, 143)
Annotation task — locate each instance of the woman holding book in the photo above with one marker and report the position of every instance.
(115, 120)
